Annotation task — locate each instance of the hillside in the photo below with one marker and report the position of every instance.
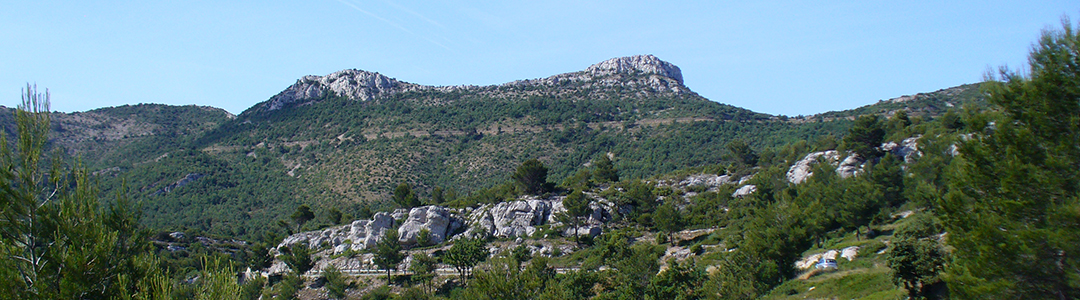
(113, 136)
(348, 138)
(616, 182)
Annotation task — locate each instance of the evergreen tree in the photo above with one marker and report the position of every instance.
(865, 137)
(335, 216)
(742, 154)
(404, 196)
(297, 257)
(916, 264)
(465, 254)
(56, 239)
(888, 176)
(577, 206)
(1012, 209)
(667, 220)
(388, 252)
(437, 196)
(531, 176)
(604, 170)
(302, 215)
(335, 282)
(423, 269)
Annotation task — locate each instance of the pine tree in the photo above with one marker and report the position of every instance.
(335, 282)
(465, 254)
(423, 269)
(297, 257)
(57, 240)
(865, 136)
(388, 252)
(1012, 209)
(404, 196)
(577, 206)
(531, 176)
(667, 220)
(605, 170)
(302, 215)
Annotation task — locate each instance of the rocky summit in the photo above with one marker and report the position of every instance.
(354, 84)
(643, 71)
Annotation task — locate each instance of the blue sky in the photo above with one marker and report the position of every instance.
(777, 57)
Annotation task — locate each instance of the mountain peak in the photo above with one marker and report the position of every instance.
(362, 85)
(637, 63)
(352, 83)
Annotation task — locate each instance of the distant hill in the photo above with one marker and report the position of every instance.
(927, 105)
(347, 139)
(113, 136)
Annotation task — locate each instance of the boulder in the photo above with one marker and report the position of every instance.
(591, 230)
(849, 252)
(358, 235)
(802, 168)
(744, 191)
(518, 218)
(707, 180)
(908, 149)
(851, 166)
(435, 219)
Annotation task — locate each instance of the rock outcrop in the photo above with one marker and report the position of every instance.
(358, 235)
(507, 219)
(355, 84)
(706, 180)
(744, 191)
(515, 218)
(850, 166)
(802, 168)
(850, 252)
(640, 71)
(907, 150)
(646, 64)
(435, 219)
(180, 183)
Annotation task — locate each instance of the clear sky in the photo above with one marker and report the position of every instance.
(777, 57)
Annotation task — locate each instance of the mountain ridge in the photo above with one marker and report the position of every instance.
(361, 85)
(349, 147)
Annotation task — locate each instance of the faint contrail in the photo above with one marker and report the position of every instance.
(414, 13)
(393, 24)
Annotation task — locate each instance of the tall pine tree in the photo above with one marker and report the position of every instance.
(1012, 210)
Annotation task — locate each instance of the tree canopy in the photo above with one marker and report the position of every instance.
(531, 176)
(1013, 209)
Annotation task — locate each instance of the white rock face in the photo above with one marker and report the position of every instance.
(518, 218)
(435, 219)
(648, 64)
(590, 230)
(744, 191)
(708, 180)
(645, 72)
(354, 84)
(360, 234)
(808, 262)
(851, 166)
(908, 149)
(813, 259)
(849, 252)
(660, 77)
(802, 168)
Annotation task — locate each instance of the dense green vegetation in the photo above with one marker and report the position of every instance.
(987, 209)
(242, 177)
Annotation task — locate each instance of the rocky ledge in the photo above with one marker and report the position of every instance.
(509, 219)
